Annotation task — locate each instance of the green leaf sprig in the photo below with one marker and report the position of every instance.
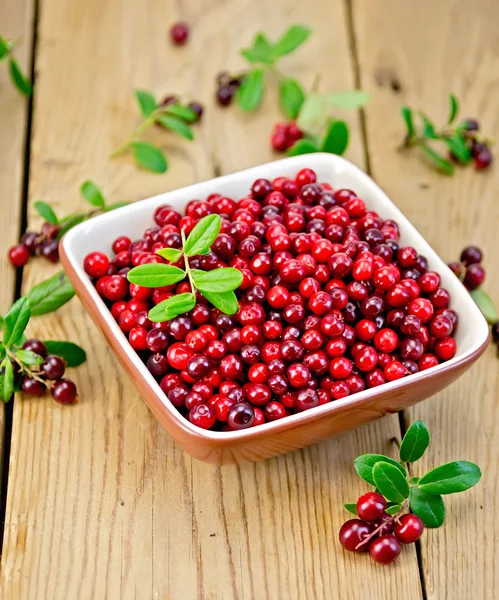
(217, 286)
(173, 117)
(458, 139)
(419, 495)
(18, 78)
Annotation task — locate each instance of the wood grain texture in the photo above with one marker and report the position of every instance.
(101, 503)
(417, 56)
(16, 24)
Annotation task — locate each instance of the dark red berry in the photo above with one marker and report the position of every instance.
(179, 33)
(64, 391)
(371, 506)
(53, 367)
(385, 549)
(408, 529)
(353, 533)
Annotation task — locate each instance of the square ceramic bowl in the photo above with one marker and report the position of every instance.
(301, 429)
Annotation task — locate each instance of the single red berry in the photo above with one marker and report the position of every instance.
(203, 416)
(19, 255)
(353, 533)
(371, 506)
(179, 33)
(385, 549)
(64, 391)
(409, 529)
(474, 277)
(96, 264)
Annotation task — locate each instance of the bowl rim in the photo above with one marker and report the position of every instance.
(97, 309)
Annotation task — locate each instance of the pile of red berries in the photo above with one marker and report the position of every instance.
(330, 304)
(469, 268)
(227, 85)
(379, 532)
(43, 244)
(48, 376)
(285, 135)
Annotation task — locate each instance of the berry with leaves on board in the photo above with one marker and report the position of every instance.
(402, 506)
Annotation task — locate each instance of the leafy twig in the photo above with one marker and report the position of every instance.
(18, 78)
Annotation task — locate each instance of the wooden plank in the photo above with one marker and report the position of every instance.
(417, 55)
(101, 502)
(16, 19)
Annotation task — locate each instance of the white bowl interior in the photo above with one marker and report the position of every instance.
(132, 220)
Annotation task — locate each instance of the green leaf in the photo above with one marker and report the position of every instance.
(336, 138)
(29, 358)
(6, 380)
(176, 125)
(439, 162)
(182, 112)
(20, 81)
(390, 482)
(226, 301)
(51, 294)
(414, 480)
(393, 510)
(302, 147)
(415, 442)
(260, 52)
(16, 321)
(250, 93)
(408, 119)
(171, 254)
(351, 507)
(172, 307)
(429, 131)
(456, 476)
(485, 304)
(46, 212)
(291, 97)
(313, 116)
(147, 102)
(155, 275)
(73, 354)
(92, 194)
(5, 47)
(149, 157)
(349, 99)
(290, 40)
(364, 465)
(459, 148)
(219, 280)
(453, 108)
(203, 235)
(430, 508)
(1, 322)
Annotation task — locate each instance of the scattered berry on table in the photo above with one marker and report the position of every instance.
(179, 33)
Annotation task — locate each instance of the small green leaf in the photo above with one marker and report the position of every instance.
(219, 280)
(73, 354)
(456, 476)
(393, 510)
(351, 507)
(5, 47)
(459, 148)
(226, 301)
(349, 99)
(149, 157)
(46, 212)
(182, 112)
(16, 320)
(429, 131)
(313, 116)
(147, 102)
(408, 119)
(51, 294)
(414, 480)
(171, 254)
(302, 146)
(430, 508)
(336, 138)
(29, 358)
(1, 322)
(364, 465)
(390, 482)
(415, 442)
(172, 307)
(203, 235)
(250, 93)
(92, 194)
(291, 97)
(6, 380)
(439, 162)
(260, 52)
(155, 275)
(453, 108)
(290, 40)
(176, 125)
(485, 304)
(20, 81)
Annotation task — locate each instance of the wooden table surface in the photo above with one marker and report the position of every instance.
(99, 502)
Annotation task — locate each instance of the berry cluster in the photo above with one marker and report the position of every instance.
(330, 304)
(43, 244)
(285, 135)
(380, 533)
(196, 107)
(48, 376)
(469, 268)
(227, 86)
(480, 151)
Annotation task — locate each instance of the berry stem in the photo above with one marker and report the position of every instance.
(26, 369)
(393, 518)
(187, 266)
(146, 123)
